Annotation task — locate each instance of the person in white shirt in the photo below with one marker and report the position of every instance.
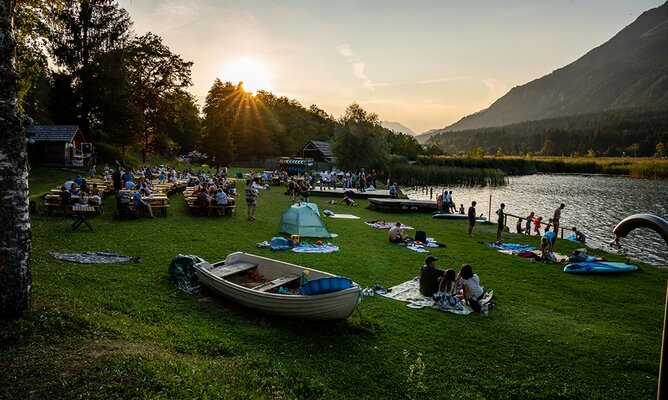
(472, 290)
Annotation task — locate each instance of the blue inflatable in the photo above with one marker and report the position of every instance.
(326, 285)
(602, 267)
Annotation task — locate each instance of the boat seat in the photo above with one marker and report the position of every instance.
(283, 280)
(232, 269)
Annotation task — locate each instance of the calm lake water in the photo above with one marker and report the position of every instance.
(594, 203)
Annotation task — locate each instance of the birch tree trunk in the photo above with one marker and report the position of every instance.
(15, 280)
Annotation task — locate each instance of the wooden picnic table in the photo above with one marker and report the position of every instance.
(82, 211)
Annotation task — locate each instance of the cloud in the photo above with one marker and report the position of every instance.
(358, 66)
(173, 14)
(345, 51)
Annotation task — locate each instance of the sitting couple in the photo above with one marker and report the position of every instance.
(449, 290)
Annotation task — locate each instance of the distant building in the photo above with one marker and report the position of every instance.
(320, 152)
(57, 144)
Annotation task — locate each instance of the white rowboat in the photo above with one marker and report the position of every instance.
(229, 278)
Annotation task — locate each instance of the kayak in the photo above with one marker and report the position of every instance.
(600, 267)
(456, 216)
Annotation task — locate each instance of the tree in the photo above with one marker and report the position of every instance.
(660, 148)
(83, 30)
(360, 140)
(155, 72)
(180, 120)
(15, 278)
(219, 117)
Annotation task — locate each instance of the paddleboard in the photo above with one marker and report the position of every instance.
(456, 216)
(601, 267)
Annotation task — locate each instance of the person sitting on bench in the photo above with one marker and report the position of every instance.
(141, 204)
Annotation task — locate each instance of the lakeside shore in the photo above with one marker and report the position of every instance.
(125, 330)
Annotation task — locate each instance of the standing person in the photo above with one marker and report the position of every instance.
(471, 217)
(536, 223)
(116, 178)
(251, 194)
(556, 217)
(292, 189)
(527, 230)
(362, 180)
(452, 208)
(304, 192)
(502, 217)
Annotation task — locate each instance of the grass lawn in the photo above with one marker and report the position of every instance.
(125, 330)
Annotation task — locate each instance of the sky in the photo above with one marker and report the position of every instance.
(422, 63)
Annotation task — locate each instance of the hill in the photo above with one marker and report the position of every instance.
(397, 127)
(628, 71)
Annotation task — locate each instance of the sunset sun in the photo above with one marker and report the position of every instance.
(254, 74)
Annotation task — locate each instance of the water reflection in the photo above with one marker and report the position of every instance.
(594, 203)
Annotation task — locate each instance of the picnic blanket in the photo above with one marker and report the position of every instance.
(314, 248)
(409, 292)
(94, 257)
(386, 225)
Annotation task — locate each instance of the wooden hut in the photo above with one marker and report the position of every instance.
(320, 152)
(57, 144)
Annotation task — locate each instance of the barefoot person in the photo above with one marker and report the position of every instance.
(251, 195)
(557, 217)
(396, 235)
(471, 215)
(502, 219)
(579, 236)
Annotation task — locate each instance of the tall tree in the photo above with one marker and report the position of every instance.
(219, 116)
(83, 30)
(360, 140)
(15, 279)
(156, 72)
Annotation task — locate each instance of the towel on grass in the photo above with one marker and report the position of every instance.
(511, 246)
(386, 225)
(314, 248)
(94, 257)
(344, 216)
(409, 292)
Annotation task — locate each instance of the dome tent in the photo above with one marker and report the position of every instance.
(303, 219)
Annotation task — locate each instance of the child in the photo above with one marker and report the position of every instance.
(472, 291)
(518, 226)
(446, 298)
(448, 283)
(536, 223)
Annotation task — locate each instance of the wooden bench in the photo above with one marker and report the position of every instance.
(232, 269)
(52, 206)
(283, 280)
(227, 209)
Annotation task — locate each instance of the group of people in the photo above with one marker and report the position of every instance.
(81, 188)
(447, 287)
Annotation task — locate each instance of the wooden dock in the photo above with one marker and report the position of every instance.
(406, 205)
(338, 192)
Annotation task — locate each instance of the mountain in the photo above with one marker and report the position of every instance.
(397, 127)
(424, 136)
(628, 71)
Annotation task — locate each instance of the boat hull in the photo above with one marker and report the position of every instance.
(331, 306)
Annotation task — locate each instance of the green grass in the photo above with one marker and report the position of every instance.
(126, 331)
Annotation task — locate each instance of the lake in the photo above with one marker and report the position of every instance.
(594, 203)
